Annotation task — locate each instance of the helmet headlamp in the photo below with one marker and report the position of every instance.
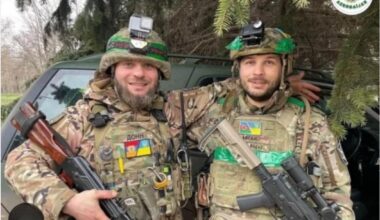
(253, 33)
(139, 28)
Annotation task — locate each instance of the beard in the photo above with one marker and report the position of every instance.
(136, 102)
(264, 96)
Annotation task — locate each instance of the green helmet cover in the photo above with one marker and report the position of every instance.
(275, 41)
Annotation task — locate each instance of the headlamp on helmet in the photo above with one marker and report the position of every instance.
(139, 28)
(252, 34)
(255, 39)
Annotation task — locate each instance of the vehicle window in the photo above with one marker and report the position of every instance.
(208, 80)
(65, 88)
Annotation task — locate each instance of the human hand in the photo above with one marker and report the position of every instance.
(85, 205)
(304, 88)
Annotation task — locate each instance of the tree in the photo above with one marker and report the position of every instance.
(357, 74)
(96, 23)
(24, 55)
(6, 54)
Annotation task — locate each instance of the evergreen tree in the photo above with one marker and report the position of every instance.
(357, 74)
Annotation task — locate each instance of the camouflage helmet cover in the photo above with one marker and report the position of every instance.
(275, 41)
(119, 48)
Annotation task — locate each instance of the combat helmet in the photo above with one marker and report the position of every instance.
(137, 42)
(254, 38)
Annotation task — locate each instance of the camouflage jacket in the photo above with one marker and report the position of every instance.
(225, 99)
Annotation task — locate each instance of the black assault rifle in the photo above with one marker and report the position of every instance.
(75, 171)
(289, 191)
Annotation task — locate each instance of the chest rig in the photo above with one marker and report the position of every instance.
(133, 154)
(272, 137)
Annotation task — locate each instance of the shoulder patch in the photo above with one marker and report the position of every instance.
(295, 101)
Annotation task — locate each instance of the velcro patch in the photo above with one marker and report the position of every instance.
(250, 128)
(137, 148)
(130, 202)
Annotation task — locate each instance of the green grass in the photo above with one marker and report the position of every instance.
(7, 98)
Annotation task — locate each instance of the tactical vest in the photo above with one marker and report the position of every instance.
(132, 158)
(272, 137)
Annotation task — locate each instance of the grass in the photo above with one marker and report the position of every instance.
(7, 98)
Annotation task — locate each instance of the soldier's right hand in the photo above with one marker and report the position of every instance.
(85, 205)
(304, 88)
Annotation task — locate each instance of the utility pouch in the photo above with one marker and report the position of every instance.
(202, 195)
(186, 185)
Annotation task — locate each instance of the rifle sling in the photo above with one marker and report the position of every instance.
(26, 124)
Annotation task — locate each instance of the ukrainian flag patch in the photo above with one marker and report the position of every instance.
(250, 127)
(137, 148)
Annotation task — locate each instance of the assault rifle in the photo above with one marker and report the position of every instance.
(75, 171)
(289, 191)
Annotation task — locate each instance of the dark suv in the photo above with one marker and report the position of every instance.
(63, 84)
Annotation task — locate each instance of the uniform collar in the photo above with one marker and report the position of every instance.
(275, 103)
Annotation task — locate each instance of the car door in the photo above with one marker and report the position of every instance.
(52, 93)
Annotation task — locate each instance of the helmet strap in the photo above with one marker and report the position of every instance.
(160, 74)
(235, 68)
(283, 71)
(111, 71)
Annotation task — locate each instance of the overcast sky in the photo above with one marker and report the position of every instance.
(8, 11)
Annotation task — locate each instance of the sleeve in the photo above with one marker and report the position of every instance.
(197, 101)
(30, 171)
(334, 181)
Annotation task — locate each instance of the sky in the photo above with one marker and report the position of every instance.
(8, 10)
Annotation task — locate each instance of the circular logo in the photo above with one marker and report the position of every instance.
(351, 7)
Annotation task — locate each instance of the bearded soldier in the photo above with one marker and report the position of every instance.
(119, 127)
(275, 125)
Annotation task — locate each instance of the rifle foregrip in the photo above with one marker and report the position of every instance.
(85, 178)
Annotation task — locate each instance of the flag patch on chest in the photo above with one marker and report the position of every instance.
(250, 127)
(137, 148)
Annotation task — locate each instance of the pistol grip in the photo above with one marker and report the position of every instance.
(252, 201)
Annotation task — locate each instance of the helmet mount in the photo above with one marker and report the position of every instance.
(139, 28)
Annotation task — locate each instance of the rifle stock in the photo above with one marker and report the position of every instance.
(75, 170)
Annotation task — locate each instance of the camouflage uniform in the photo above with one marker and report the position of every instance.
(127, 153)
(274, 132)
